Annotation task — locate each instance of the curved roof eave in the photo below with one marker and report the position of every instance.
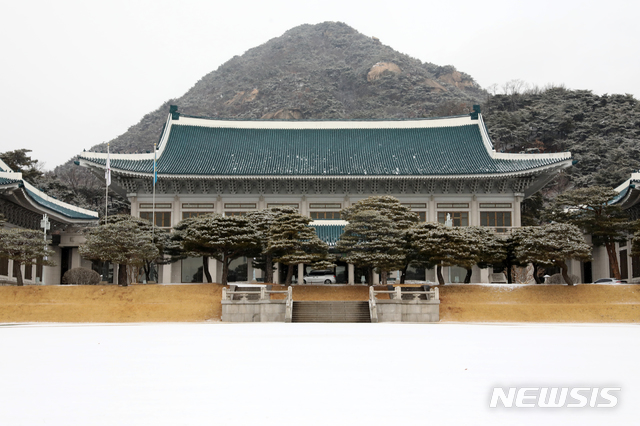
(522, 173)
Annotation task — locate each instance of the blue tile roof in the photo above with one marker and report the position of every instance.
(5, 181)
(422, 151)
(59, 208)
(330, 234)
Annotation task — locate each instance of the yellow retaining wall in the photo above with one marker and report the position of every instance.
(201, 302)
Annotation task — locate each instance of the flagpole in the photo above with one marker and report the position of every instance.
(153, 208)
(107, 178)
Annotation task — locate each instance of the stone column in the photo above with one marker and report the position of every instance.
(431, 210)
(276, 273)
(213, 269)
(376, 279)
(300, 273)
(474, 220)
(351, 270)
(177, 211)
(134, 206)
(517, 221)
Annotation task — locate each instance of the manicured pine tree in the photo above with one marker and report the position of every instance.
(24, 247)
(401, 217)
(161, 239)
(442, 246)
(223, 237)
(551, 245)
(262, 221)
(292, 241)
(589, 209)
(371, 241)
(122, 242)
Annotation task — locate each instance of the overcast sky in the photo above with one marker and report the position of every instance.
(78, 73)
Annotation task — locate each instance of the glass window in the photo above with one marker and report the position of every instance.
(415, 205)
(453, 205)
(325, 215)
(197, 205)
(422, 216)
(458, 218)
(158, 205)
(163, 219)
(495, 205)
(192, 270)
(239, 205)
(39, 270)
(4, 266)
(28, 272)
(496, 219)
(235, 213)
(325, 205)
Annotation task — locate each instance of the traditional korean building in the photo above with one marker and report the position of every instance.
(629, 199)
(435, 166)
(24, 206)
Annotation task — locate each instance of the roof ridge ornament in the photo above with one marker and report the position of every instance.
(476, 111)
(173, 110)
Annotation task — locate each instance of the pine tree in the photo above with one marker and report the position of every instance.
(161, 239)
(24, 247)
(589, 209)
(551, 245)
(371, 241)
(401, 217)
(442, 246)
(122, 242)
(292, 241)
(262, 221)
(223, 237)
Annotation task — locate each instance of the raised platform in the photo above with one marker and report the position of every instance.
(202, 302)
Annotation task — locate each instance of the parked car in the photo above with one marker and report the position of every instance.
(315, 277)
(609, 281)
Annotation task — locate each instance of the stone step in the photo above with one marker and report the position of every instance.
(330, 311)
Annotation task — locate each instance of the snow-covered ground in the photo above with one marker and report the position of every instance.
(309, 374)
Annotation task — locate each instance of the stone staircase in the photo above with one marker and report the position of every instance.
(330, 312)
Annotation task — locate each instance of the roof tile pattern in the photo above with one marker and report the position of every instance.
(58, 208)
(214, 151)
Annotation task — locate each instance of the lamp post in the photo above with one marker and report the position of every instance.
(45, 225)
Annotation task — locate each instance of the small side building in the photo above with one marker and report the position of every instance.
(24, 206)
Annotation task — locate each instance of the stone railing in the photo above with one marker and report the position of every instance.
(244, 304)
(419, 305)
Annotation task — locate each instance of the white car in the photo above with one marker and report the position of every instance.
(320, 277)
(609, 281)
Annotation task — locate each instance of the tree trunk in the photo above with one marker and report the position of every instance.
(467, 278)
(225, 268)
(268, 268)
(146, 267)
(403, 274)
(565, 274)
(289, 274)
(17, 269)
(613, 260)
(205, 268)
(509, 274)
(122, 275)
(370, 276)
(439, 274)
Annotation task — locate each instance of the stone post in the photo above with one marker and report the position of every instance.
(351, 274)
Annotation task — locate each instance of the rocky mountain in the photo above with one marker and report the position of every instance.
(323, 71)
